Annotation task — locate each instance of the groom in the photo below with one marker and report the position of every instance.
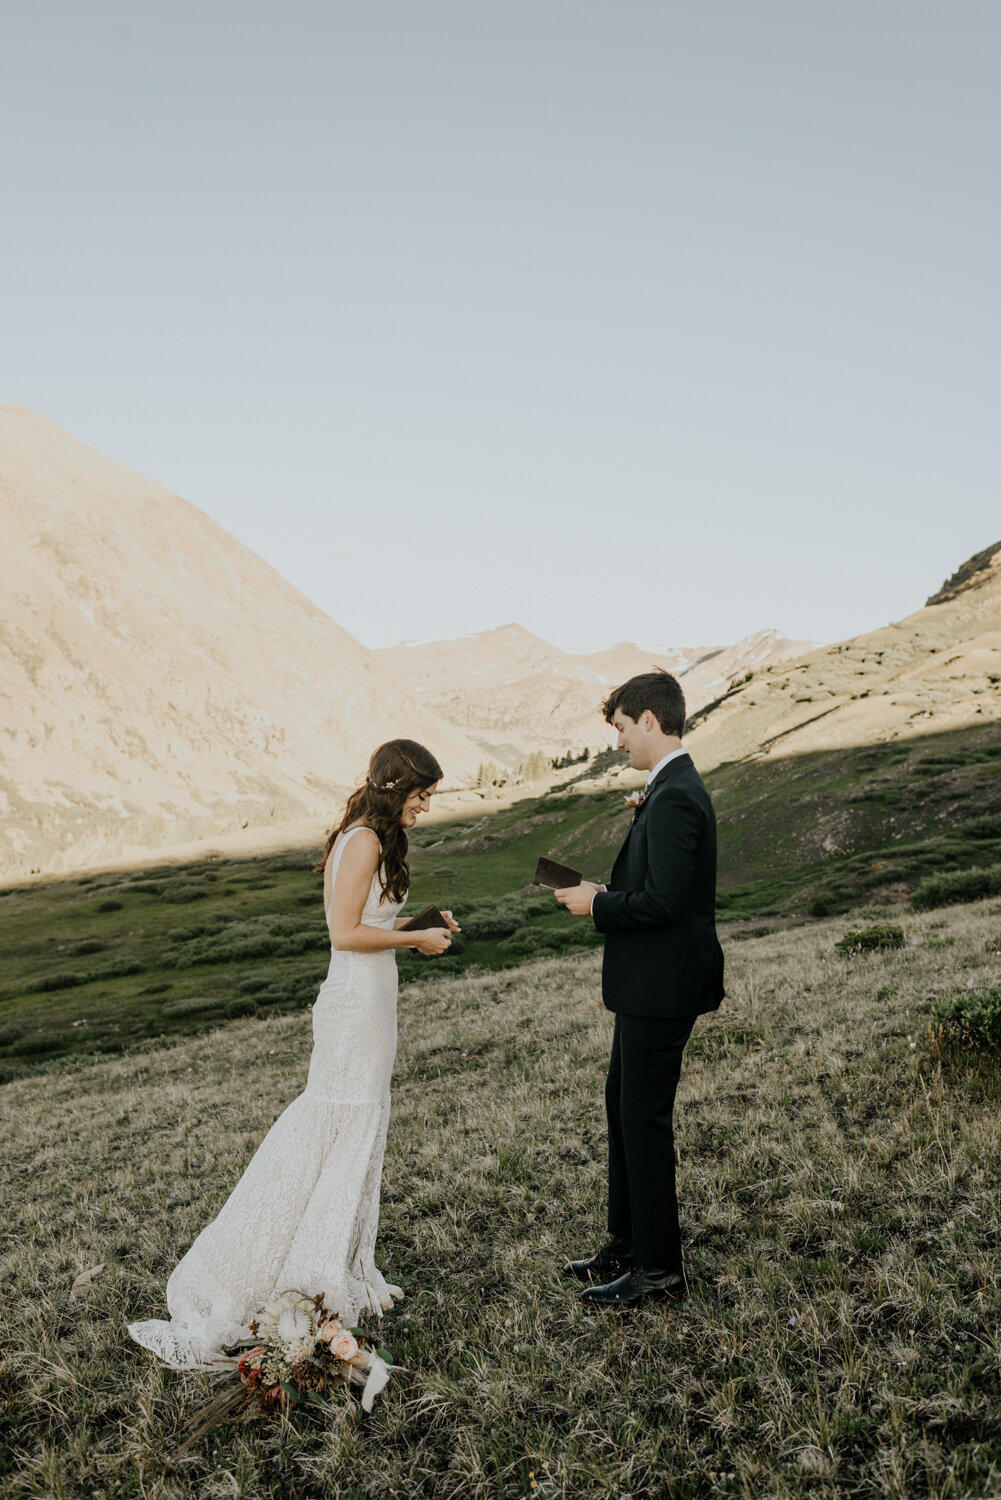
(663, 967)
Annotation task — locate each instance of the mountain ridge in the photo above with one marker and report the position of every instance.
(511, 686)
(158, 680)
(936, 670)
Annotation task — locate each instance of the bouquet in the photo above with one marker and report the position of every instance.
(299, 1353)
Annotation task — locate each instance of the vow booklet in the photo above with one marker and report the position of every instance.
(429, 917)
(553, 875)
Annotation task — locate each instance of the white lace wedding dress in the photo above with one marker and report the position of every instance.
(305, 1213)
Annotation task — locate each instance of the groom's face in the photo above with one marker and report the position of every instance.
(634, 736)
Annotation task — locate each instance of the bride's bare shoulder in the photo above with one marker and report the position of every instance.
(363, 849)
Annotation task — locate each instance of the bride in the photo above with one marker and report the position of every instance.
(305, 1213)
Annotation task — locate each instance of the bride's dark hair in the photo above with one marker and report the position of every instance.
(397, 768)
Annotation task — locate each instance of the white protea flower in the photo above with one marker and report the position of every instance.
(288, 1319)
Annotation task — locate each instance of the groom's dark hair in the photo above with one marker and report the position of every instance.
(658, 691)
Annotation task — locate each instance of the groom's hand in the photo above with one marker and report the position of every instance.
(577, 898)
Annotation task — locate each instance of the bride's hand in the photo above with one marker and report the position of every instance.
(433, 941)
(453, 925)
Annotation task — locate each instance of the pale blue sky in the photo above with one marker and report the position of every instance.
(633, 320)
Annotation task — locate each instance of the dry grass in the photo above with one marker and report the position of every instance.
(840, 1206)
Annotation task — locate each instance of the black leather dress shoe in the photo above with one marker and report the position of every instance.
(638, 1286)
(614, 1258)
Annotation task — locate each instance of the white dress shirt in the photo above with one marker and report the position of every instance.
(671, 755)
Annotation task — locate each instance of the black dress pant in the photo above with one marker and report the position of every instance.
(639, 1098)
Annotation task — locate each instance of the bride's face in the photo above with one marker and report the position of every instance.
(417, 803)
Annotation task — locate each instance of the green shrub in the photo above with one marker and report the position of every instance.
(85, 946)
(263, 937)
(117, 967)
(67, 981)
(110, 905)
(39, 1041)
(530, 940)
(987, 827)
(972, 1020)
(874, 939)
(444, 965)
(191, 1005)
(956, 885)
(243, 1006)
(820, 906)
(183, 891)
(490, 923)
(146, 887)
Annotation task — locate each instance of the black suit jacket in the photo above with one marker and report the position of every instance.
(662, 956)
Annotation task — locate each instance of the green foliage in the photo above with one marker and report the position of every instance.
(956, 885)
(876, 939)
(59, 981)
(971, 1020)
(493, 919)
(71, 979)
(243, 1005)
(530, 940)
(109, 905)
(87, 945)
(265, 937)
(988, 827)
(191, 1005)
(116, 968)
(180, 892)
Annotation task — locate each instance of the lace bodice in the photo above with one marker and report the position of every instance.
(378, 910)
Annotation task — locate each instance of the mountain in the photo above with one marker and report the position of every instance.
(159, 682)
(935, 671)
(514, 693)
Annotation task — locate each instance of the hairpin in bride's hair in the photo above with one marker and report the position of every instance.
(388, 786)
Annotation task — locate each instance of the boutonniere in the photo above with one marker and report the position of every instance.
(636, 799)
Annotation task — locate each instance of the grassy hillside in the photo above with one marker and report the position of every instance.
(106, 962)
(838, 1173)
(864, 823)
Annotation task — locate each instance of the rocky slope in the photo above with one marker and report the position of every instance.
(158, 681)
(936, 671)
(515, 693)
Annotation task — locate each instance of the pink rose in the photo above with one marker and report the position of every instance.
(330, 1330)
(344, 1346)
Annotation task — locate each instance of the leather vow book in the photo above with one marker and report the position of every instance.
(429, 917)
(554, 876)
